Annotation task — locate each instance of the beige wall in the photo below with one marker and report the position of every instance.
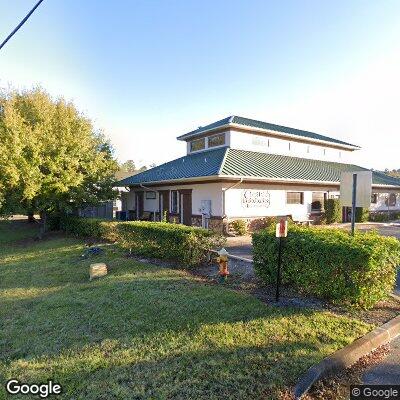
(234, 206)
(207, 191)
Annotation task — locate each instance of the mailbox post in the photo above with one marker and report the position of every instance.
(281, 232)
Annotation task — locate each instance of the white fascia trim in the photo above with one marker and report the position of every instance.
(188, 136)
(375, 185)
(254, 178)
(182, 180)
(277, 180)
(261, 130)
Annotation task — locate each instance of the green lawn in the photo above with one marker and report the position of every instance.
(144, 332)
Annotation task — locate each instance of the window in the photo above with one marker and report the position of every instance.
(374, 198)
(318, 201)
(294, 198)
(198, 144)
(150, 195)
(174, 201)
(391, 201)
(216, 140)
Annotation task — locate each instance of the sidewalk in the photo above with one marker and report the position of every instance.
(387, 372)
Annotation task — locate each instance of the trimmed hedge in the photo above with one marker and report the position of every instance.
(184, 244)
(333, 211)
(362, 214)
(330, 263)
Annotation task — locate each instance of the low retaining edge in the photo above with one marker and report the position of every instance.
(348, 355)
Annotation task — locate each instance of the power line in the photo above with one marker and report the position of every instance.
(20, 24)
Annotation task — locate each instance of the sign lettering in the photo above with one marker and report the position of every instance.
(255, 198)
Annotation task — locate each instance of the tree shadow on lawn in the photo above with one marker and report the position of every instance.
(152, 323)
(44, 266)
(219, 371)
(131, 308)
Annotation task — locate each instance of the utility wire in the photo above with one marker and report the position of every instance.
(20, 24)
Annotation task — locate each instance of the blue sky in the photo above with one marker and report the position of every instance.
(148, 71)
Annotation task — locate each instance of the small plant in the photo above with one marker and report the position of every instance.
(239, 226)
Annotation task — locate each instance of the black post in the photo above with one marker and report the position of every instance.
(353, 204)
(279, 274)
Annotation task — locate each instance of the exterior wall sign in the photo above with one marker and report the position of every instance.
(255, 198)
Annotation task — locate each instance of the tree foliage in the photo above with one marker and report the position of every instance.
(393, 172)
(128, 166)
(51, 157)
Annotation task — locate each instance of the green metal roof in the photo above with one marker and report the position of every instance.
(263, 125)
(224, 162)
(205, 163)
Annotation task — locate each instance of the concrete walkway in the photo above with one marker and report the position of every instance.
(387, 372)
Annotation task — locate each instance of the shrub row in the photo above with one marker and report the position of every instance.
(184, 244)
(384, 216)
(330, 263)
(333, 211)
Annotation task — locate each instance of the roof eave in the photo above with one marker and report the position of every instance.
(173, 181)
(194, 133)
(253, 178)
(262, 130)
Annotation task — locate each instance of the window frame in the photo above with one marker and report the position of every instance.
(388, 201)
(197, 141)
(301, 198)
(150, 195)
(374, 198)
(172, 208)
(324, 197)
(215, 136)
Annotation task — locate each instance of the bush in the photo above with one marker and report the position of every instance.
(330, 263)
(333, 211)
(175, 242)
(239, 226)
(89, 227)
(384, 216)
(362, 214)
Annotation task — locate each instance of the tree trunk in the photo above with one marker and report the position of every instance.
(43, 224)
(31, 217)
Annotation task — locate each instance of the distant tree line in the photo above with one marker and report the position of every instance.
(393, 172)
(130, 166)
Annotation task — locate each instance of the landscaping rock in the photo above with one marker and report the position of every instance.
(97, 270)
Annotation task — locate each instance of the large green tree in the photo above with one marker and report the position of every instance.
(51, 157)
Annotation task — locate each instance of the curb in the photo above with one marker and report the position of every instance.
(240, 258)
(348, 355)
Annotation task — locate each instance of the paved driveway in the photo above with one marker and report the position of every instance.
(387, 372)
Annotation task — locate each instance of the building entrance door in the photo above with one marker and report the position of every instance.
(139, 205)
(164, 204)
(186, 206)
